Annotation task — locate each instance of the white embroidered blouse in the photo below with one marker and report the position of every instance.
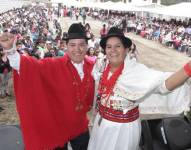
(140, 85)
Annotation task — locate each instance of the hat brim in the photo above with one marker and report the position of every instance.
(124, 39)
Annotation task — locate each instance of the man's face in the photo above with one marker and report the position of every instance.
(62, 46)
(76, 50)
(19, 46)
(42, 44)
(49, 46)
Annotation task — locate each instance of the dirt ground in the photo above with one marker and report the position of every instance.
(151, 53)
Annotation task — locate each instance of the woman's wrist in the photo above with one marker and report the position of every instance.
(187, 69)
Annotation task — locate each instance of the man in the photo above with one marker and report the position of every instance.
(53, 95)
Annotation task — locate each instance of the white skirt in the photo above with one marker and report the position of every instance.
(115, 136)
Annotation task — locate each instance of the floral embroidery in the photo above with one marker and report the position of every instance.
(122, 104)
(128, 95)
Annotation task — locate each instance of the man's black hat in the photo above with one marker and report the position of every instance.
(76, 31)
(116, 32)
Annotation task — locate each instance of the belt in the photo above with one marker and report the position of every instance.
(117, 115)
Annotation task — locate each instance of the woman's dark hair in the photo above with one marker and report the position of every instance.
(87, 26)
(133, 48)
(88, 52)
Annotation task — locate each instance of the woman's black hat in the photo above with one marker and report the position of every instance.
(116, 32)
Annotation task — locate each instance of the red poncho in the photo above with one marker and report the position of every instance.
(47, 94)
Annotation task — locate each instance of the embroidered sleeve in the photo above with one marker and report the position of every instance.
(128, 95)
(162, 86)
(162, 89)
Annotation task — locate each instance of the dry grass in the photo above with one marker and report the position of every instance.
(9, 114)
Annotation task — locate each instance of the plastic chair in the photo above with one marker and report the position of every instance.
(148, 136)
(166, 134)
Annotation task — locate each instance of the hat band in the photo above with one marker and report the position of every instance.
(76, 36)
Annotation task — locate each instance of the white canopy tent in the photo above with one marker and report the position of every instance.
(118, 6)
(67, 2)
(178, 10)
(10, 4)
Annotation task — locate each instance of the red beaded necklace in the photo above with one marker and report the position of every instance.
(106, 85)
(105, 89)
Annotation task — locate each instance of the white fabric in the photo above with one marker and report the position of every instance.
(14, 61)
(115, 136)
(137, 84)
(79, 68)
(42, 53)
(91, 43)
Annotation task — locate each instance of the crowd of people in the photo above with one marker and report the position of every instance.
(39, 38)
(172, 33)
(53, 95)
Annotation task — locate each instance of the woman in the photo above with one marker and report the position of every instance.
(88, 30)
(91, 54)
(123, 85)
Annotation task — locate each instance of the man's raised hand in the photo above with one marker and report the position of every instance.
(7, 41)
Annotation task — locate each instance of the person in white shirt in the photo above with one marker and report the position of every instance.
(92, 42)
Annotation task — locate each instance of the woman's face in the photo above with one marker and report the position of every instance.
(115, 51)
(91, 51)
